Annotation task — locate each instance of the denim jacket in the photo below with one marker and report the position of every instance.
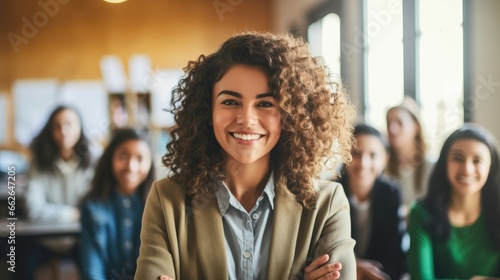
(109, 242)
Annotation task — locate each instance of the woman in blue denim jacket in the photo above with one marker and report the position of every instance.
(112, 212)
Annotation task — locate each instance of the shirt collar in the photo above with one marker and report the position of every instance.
(124, 199)
(224, 196)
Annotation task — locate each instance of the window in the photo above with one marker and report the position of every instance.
(384, 39)
(324, 38)
(409, 47)
(440, 69)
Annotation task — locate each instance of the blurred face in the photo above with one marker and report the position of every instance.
(368, 161)
(66, 129)
(401, 128)
(468, 166)
(131, 164)
(245, 116)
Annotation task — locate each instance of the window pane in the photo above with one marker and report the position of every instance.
(441, 69)
(384, 35)
(324, 38)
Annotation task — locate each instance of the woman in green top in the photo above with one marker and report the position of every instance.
(455, 228)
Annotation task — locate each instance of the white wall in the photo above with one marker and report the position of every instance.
(485, 58)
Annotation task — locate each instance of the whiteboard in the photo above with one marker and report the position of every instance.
(161, 84)
(35, 99)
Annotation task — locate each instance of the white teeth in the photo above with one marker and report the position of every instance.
(464, 179)
(246, 136)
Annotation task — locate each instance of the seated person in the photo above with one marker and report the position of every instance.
(112, 211)
(409, 163)
(59, 176)
(375, 202)
(455, 230)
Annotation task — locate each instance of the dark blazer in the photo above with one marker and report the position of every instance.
(388, 226)
(184, 239)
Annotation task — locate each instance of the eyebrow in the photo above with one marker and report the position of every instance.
(238, 95)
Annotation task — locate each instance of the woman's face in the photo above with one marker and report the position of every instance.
(131, 164)
(245, 116)
(468, 165)
(66, 129)
(368, 161)
(401, 128)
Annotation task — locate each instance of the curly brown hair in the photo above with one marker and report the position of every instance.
(315, 112)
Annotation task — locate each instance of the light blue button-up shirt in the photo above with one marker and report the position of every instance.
(247, 234)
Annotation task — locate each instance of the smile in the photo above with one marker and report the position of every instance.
(246, 137)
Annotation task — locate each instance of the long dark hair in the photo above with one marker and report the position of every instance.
(45, 150)
(104, 181)
(437, 199)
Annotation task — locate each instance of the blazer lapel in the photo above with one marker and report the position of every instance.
(210, 240)
(286, 223)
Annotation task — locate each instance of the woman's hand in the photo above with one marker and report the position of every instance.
(371, 270)
(319, 269)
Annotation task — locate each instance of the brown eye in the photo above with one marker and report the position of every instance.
(229, 102)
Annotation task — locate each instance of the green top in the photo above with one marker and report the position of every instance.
(468, 251)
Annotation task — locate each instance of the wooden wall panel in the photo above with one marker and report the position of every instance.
(69, 43)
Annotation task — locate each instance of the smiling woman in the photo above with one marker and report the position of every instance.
(112, 210)
(454, 229)
(253, 122)
(245, 117)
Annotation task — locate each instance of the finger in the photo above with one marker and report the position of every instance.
(319, 261)
(326, 271)
(376, 264)
(165, 277)
(333, 275)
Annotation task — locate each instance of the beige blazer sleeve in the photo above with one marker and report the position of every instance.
(335, 238)
(323, 230)
(155, 257)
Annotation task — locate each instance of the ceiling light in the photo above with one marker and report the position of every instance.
(115, 1)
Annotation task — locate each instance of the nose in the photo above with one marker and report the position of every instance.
(247, 116)
(133, 165)
(65, 129)
(468, 166)
(392, 128)
(364, 161)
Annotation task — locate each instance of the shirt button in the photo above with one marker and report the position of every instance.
(127, 222)
(247, 255)
(126, 203)
(255, 216)
(128, 245)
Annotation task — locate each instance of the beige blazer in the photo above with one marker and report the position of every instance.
(185, 240)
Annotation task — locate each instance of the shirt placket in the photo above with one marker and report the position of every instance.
(247, 248)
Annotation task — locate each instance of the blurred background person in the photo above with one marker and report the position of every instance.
(375, 200)
(454, 229)
(112, 211)
(59, 177)
(408, 163)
